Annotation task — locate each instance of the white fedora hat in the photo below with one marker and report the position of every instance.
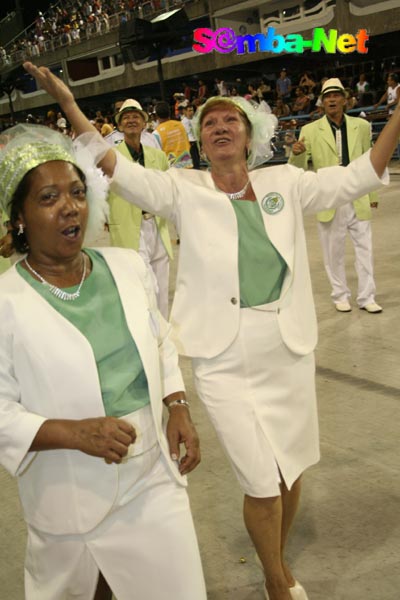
(130, 104)
(333, 85)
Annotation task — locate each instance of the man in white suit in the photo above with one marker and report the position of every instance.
(337, 139)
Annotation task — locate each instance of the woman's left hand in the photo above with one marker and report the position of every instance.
(180, 430)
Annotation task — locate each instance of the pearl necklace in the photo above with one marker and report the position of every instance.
(237, 195)
(56, 291)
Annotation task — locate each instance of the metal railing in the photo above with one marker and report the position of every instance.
(101, 26)
(297, 13)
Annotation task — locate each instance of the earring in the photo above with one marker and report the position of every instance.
(20, 229)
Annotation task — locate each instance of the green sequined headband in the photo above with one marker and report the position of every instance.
(25, 146)
(18, 161)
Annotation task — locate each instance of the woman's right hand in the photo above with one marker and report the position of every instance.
(106, 437)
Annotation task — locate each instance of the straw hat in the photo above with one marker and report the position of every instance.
(333, 85)
(131, 105)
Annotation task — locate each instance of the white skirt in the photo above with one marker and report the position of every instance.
(261, 400)
(146, 547)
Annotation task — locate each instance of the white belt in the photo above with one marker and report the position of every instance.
(146, 436)
(269, 307)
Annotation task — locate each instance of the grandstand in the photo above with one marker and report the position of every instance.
(81, 44)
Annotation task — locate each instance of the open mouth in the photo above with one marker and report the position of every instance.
(72, 232)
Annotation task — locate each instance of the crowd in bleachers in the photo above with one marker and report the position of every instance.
(294, 102)
(71, 21)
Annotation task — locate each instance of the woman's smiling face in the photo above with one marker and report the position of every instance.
(224, 133)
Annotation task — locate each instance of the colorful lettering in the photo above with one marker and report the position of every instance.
(205, 39)
(346, 43)
(320, 39)
(224, 40)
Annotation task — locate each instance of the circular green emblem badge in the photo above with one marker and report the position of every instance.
(272, 203)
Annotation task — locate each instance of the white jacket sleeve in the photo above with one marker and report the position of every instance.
(331, 187)
(171, 376)
(152, 190)
(18, 427)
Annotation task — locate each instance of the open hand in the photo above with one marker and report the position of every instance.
(50, 83)
(180, 430)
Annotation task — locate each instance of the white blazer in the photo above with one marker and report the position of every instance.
(205, 311)
(48, 370)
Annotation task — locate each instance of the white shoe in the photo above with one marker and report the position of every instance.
(372, 308)
(343, 306)
(298, 592)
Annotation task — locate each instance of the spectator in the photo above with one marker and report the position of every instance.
(264, 90)
(252, 93)
(362, 86)
(307, 81)
(187, 91)
(202, 93)
(61, 121)
(283, 86)
(351, 99)
(301, 105)
(281, 109)
(172, 138)
(392, 94)
(188, 113)
(221, 87)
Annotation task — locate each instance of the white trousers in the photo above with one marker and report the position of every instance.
(152, 250)
(333, 241)
(146, 547)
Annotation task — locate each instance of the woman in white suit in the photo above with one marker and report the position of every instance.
(86, 362)
(243, 307)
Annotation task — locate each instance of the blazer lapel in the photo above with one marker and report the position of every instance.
(279, 225)
(326, 134)
(352, 133)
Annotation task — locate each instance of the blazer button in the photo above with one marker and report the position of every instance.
(234, 300)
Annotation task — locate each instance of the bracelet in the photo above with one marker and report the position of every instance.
(179, 402)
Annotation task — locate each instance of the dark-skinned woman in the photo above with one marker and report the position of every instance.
(243, 307)
(86, 362)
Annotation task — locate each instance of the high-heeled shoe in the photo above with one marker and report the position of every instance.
(298, 592)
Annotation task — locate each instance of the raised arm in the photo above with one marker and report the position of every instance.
(64, 97)
(386, 143)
